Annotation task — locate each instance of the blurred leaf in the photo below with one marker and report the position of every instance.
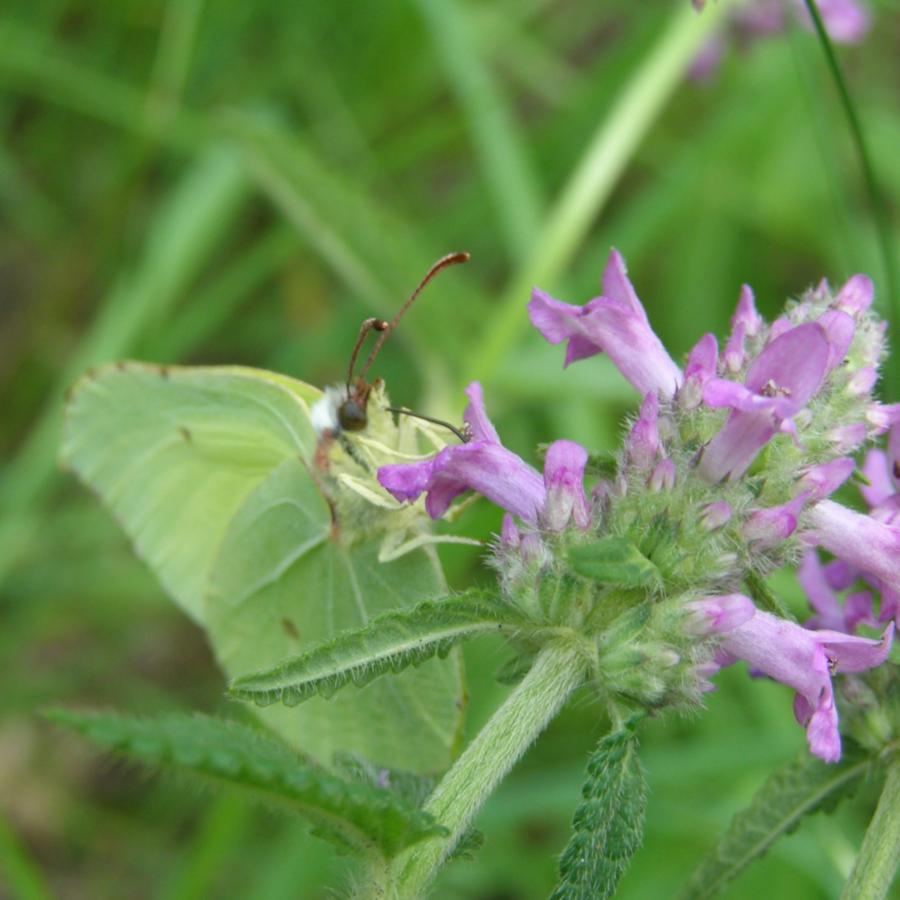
(374, 252)
(30, 63)
(592, 180)
(501, 151)
(221, 835)
(609, 822)
(187, 227)
(170, 70)
(386, 645)
(225, 752)
(23, 876)
(801, 788)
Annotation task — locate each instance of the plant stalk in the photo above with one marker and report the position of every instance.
(557, 671)
(879, 855)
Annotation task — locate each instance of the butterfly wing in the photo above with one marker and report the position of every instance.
(211, 472)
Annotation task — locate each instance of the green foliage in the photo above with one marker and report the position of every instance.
(609, 822)
(388, 644)
(211, 472)
(120, 237)
(799, 789)
(614, 561)
(352, 815)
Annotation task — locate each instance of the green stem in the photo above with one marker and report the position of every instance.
(876, 198)
(557, 671)
(880, 852)
(595, 176)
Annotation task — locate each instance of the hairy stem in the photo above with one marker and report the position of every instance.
(557, 671)
(879, 855)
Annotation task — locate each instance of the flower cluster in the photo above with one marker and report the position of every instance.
(726, 473)
(846, 21)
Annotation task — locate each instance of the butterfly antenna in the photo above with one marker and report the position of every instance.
(451, 259)
(464, 433)
(364, 329)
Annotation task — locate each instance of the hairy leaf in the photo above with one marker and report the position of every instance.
(216, 475)
(802, 787)
(608, 823)
(389, 643)
(615, 561)
(352, 815)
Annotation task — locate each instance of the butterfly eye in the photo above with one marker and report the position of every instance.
(352, 415)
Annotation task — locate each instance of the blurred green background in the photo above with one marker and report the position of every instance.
(218, 182)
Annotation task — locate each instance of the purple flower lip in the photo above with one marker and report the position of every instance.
(614, 323)
(779, 383)
(484, 465)
(663, 476)
(746, 322)
(716, 515)
(840, 329)
(805, 660)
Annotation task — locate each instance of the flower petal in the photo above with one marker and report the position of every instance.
(564, 485)
(861, 541)
(643, 440)
(491, 470)
(823, 480)
(476, 416)
(856, 295)
(802, 659)
(811, 575)
(793, 365)
(615, 324)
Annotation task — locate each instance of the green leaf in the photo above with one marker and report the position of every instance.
(799, 789)
(389, 643)
(213, 474)
(609, 822)
(352, 815)
(614, 561)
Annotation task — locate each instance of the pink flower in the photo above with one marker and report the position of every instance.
(779, 382)
(614, 323)
(805, 660)
(486, 466)
(829, 611)
(846, 21)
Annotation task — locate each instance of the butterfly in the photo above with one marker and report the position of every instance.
(253, 498)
